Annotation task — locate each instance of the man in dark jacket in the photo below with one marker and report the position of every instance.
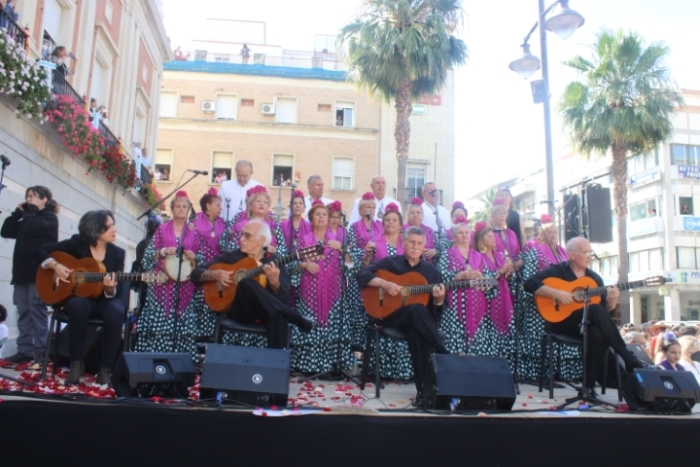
(33, 223)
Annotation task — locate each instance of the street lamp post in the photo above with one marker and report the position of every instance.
(563, 24)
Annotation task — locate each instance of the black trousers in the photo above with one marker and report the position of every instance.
(111, 310)
(420, 324)
(253, 303)
(602, 333)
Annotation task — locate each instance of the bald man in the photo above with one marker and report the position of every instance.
(602, 332)
(232, 192)
(378, 187)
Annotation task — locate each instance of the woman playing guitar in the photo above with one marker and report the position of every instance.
(95, 239)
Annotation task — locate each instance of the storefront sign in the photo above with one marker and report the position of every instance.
(689, 171)
(644, 177)
(691, 224)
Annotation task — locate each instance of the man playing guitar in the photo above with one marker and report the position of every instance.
(418, 321)
(254, 302)
(602, 332)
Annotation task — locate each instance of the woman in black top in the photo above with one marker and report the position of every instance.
(33, 223)
(95, 239)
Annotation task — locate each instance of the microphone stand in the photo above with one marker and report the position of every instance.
(438, 223)
(228, 207)
(5, 163)
(583, 394)
(337, 371)
(180, 253)
(175, 190)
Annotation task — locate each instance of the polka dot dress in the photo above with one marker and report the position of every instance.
(532, 329)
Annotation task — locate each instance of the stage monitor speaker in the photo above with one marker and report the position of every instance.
(599, 214)
(153, 374)
(252, 375)
(661, 391)
(473, 382)
(572, 217)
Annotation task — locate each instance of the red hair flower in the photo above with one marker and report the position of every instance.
(458, 204)
(461, 220)
(546, 219)
(255, 190)
(212, 192)
(416, 202)
(181, 194)
(298, 194)
(498, 202)
(335, 206)
(317, 202)
(391, 207)
(479, 226)
(368, 196)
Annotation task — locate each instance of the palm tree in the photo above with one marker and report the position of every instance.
(624, 104)
(486, 204)
(401, 49)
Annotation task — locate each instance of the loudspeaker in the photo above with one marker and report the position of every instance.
(599, 214)
(253, 375)
(153, 374)
(572, 217)
(661, 391)
(473, 382)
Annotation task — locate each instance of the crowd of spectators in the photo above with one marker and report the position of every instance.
(671, 346)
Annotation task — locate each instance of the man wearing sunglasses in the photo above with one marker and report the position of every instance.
(602, 332)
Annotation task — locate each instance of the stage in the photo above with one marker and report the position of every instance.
(332, 423)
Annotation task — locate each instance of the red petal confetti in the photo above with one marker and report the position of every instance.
(524, 404)
(327, 409)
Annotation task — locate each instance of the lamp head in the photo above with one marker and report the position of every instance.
(565, 22)
(526, 65)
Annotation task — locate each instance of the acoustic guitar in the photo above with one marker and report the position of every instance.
(219, 298)
(415, 290)
(554, 311)
(85, 280)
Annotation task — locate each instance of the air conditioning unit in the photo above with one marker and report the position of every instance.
(209, 106)
(268, 109)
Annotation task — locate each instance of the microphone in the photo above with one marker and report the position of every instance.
(342, 214)
(595, 256)
(368, 216)
(198, 172)
(5, 160)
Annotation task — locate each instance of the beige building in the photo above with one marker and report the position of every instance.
(289, 122)
(120, 46)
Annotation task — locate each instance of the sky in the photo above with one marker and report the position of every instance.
(495, 118)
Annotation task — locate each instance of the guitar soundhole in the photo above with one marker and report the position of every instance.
(239, 276)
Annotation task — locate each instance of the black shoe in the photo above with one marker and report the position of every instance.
(593, 396)
(103, 375)
(19, 358)
(77, 368)
(307, 325)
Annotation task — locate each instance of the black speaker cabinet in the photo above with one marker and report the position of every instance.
(572, 217)
(93, 348)
(599, 214)
(661, 391)
(473, 382)
(153, 374)
(252, 375)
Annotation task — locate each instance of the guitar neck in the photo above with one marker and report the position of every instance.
(278, 262)
(452, 285)
(119, 276)
(622, 286)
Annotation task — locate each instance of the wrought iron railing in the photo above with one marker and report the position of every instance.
(59, 85)
(263, 59)
(14, 30)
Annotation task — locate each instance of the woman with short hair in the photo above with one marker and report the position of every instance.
(95, 239)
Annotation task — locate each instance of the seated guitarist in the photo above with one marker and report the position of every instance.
(418, 321)
(602, 332)
(95, 239)
(253, 302)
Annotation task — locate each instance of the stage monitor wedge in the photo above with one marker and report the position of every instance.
(252, 375)
(149, 374)
(661, 391)
(475, 383)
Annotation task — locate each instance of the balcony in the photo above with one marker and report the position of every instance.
(646, 226)
(264, 59)
(14, 30)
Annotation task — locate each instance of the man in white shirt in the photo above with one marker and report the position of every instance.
(136, 153)
(315, 187)
(232, 192)
(378, 186)
(430, 201)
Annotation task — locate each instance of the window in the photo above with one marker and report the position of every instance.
(226, 106)
(685, 154)
(646, 260)
(685, 206)
(608, 266)
(282, 168)
(221, 166)
(343, 170)
(688, 257)
(53, 16)
(642, 162)
(345, 114)
(221, 58)
(643, 210)
(168, 104)
(286, 110)
(109, 10)
(96, 88)
(164, 165)
(416, 180)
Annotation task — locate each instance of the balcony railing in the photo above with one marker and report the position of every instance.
(14, 30)
(263, 59)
